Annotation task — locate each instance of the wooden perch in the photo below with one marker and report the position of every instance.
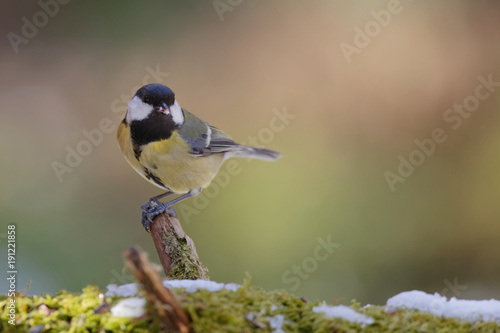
(176, 250)
(168, 308)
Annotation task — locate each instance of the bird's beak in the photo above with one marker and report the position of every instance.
(163, 108)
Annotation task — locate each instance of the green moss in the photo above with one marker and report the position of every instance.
(65, 312)
(222, 311)
(185, 264)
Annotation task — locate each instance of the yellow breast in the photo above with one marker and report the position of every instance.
(169, 162)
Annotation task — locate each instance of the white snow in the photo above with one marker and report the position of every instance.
(125, 290)
(191, 286)
(419, 300)
(470, 310)
(344, 312)
(276, 322)
(129, 307)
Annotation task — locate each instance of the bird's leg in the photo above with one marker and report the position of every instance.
(190, 194)
(158, 197)
(154, 207)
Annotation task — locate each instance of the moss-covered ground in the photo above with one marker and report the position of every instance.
(246, 310)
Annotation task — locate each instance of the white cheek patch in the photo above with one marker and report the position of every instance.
(177, 114)
(138, 110)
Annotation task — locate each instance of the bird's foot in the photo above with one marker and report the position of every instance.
(154, 208)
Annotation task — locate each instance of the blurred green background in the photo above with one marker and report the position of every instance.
(232, 63)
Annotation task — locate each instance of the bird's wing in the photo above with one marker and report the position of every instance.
(204, 139)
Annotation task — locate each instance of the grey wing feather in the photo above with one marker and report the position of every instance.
(204, 139)
(223, 143)
(220, 142)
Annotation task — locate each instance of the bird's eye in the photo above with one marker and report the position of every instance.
(146, 100)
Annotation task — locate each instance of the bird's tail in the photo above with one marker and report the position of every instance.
(254, 152)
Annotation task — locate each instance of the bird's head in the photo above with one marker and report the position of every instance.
(155, 102)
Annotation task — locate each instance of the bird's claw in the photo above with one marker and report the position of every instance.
(152, 209)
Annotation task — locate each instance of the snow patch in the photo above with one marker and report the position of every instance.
(129, 307)
(419, 300)
(470, 310)
(125, 290)
(344, 312)
(191, 286)
(276, 322)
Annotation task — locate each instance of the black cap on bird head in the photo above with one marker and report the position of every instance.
(156, 94)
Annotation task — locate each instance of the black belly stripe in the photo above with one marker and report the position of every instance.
(153, 177)
(154, 128)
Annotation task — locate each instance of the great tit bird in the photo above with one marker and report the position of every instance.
(173, 149)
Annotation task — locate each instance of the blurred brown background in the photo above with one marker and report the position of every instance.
(232, 63)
